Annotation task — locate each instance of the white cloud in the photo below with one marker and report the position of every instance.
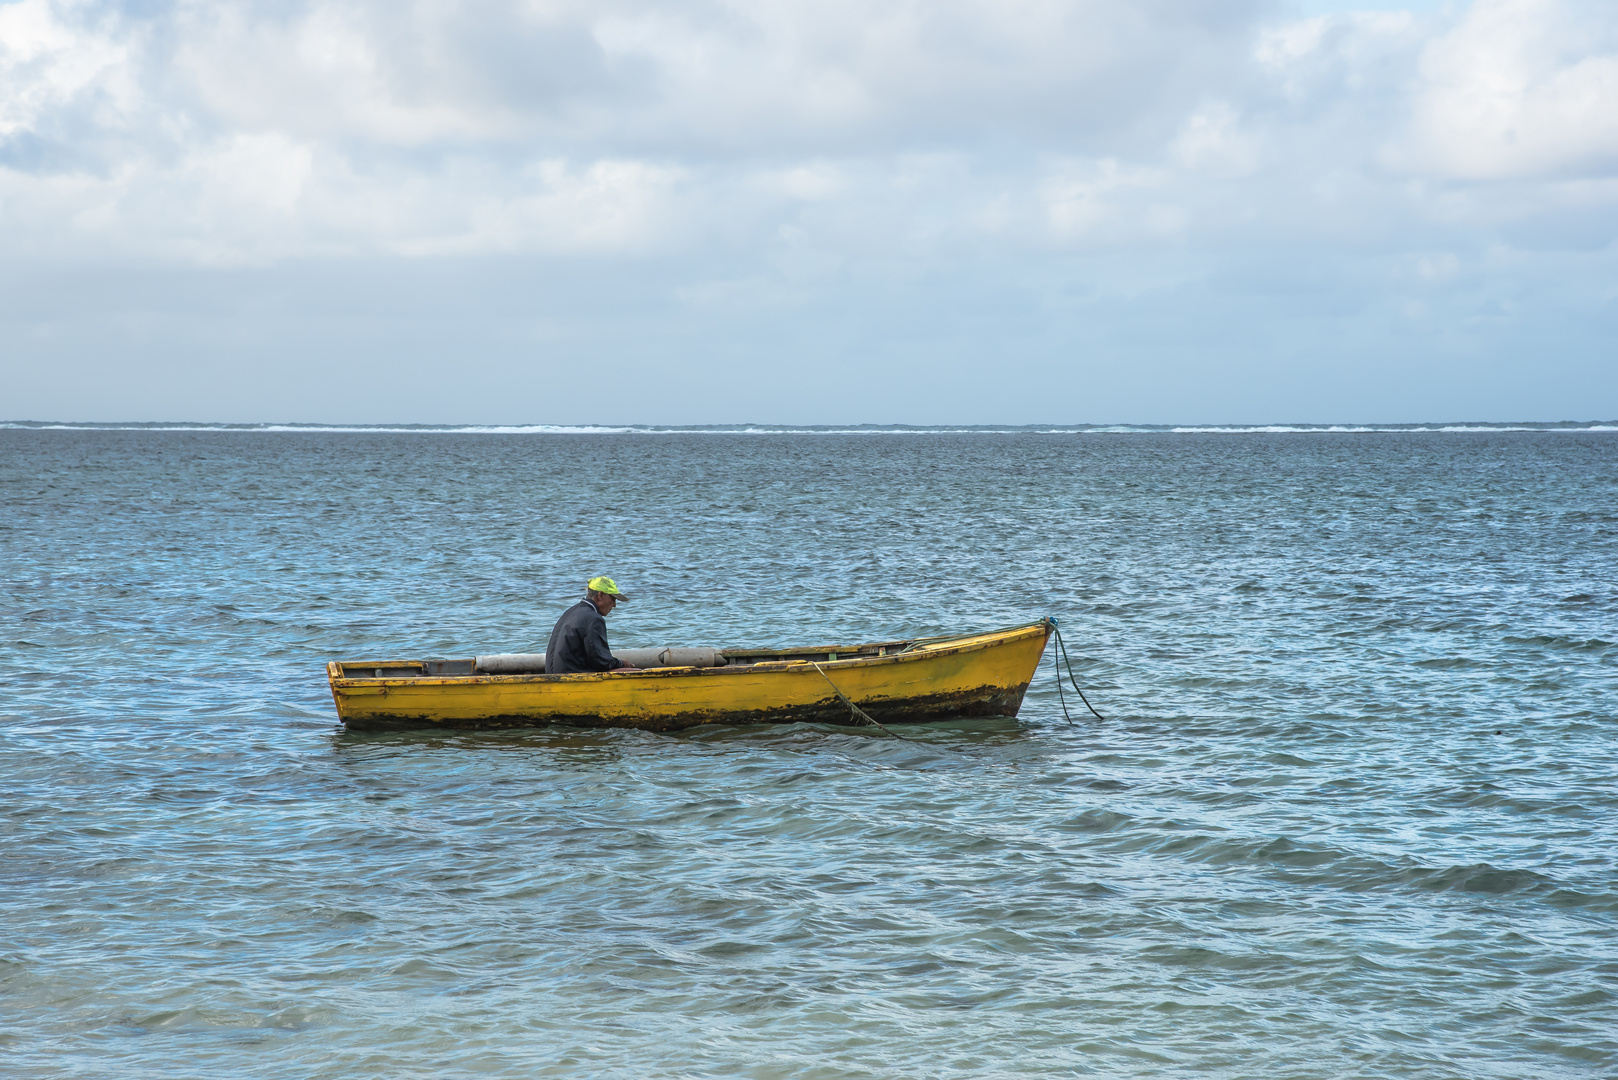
(48, 65)
(1085, 200)
(249, 132)
(1520, 88)
(1213, 141)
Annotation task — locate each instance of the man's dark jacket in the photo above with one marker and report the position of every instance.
(579, 642)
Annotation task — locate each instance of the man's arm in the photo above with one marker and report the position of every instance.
(595, 644)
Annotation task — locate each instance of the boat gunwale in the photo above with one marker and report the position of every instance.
(967, 643)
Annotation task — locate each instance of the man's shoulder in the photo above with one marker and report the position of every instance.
(582, 611)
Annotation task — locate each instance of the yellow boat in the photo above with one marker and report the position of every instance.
(984, 674)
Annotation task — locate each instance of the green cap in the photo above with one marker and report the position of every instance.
(608, 586)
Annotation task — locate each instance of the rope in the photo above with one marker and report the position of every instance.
(859, 712)
(1056, 662)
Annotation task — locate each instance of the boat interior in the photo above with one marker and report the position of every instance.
(726, 658)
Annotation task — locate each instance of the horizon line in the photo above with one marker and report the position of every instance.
(761, 428)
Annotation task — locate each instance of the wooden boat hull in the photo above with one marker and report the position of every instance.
(980, 675)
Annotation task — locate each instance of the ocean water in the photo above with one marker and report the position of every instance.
(1353, 811)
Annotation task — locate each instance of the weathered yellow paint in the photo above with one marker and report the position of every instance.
(982, 675)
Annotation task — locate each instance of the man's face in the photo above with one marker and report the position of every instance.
(604, 602)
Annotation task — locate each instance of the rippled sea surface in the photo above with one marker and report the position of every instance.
(1353, 811)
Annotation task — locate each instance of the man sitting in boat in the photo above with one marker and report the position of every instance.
(579, 642)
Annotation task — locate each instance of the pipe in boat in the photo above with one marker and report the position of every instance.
(534, 663)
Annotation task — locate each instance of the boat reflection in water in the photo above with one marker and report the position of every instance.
(984, 674)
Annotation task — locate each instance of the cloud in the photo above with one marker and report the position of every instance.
(830, 157)
(1212, 140)
(1520, 88)
(47, 64)
(238, 131)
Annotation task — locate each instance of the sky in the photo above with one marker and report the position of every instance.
(808, 211)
